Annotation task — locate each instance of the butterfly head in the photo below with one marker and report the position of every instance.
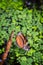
(26, 47)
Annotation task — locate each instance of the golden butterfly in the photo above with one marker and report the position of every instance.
(22, 41)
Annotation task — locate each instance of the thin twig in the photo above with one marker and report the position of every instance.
(7, 48)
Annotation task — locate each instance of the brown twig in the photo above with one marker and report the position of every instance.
(7, 48)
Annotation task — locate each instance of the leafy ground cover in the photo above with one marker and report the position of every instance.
(30, 23)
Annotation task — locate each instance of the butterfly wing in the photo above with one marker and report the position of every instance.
(23, 37)
(19, 41)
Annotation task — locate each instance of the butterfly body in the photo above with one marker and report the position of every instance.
(22, 41)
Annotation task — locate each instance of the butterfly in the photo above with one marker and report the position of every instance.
(22, 41)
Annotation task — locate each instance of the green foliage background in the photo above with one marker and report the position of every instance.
(30, 23)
